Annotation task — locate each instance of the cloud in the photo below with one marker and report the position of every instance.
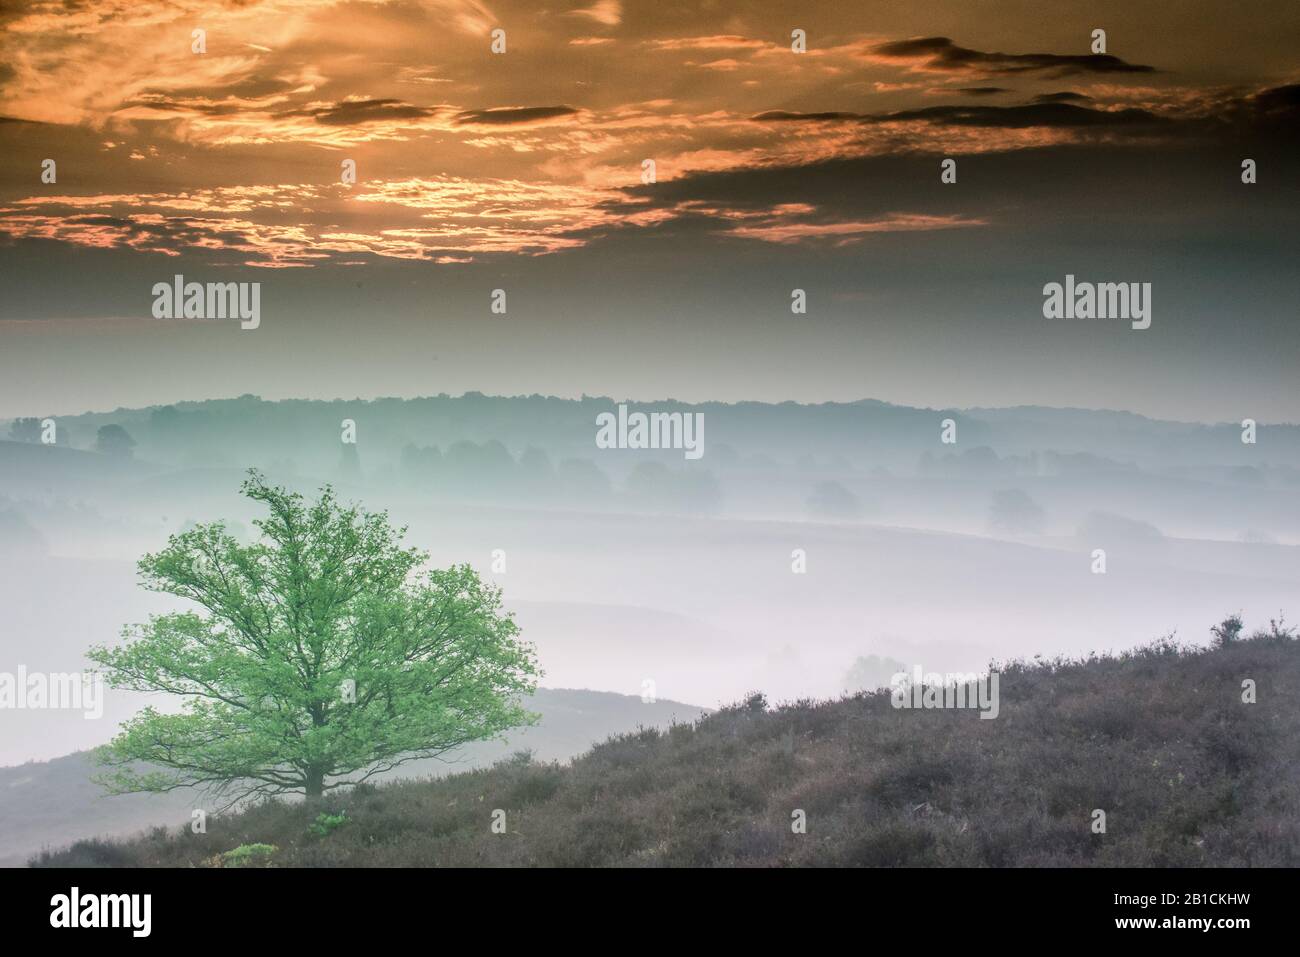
(1269, 115)
(717, 42)
(797, 230)
(506, 116)
(1065, 96)
(285, 82)
(1055, 115)
(357, 112)
(608, 13)
(941, 55)
(1279, 102)
(1017, 117)
(782, 116)
(438, 219)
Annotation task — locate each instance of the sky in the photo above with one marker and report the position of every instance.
(774, 170)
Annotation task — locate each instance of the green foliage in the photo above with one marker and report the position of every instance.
(1014, 512)
(25, 430)
(325, 824)
(248, 855)
(114, 440)
(317, 656)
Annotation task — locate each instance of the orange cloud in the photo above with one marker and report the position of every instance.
(779, 229)
(466, 153)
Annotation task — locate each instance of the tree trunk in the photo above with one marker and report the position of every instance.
(315, 784)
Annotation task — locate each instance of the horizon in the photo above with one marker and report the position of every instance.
(629, 400)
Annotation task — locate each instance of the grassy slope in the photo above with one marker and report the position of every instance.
(53, 803)
(1159, 739)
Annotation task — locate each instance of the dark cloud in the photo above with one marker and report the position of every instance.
(940, 53)
(982, 90)
(504, 116)
(1269, 117)
(249, 87)
(347, 113)
(1280, 102)
(1035, 114)
(186, 104)
(1007, 117)
(1065, 96)
(1266, 117)
(777, 116)
(355, 112)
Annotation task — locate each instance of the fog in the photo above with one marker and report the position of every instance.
(804, 538)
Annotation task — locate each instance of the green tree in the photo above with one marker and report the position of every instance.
(832, 500)
(25, 430)
(1014, 512)
(318, 656)
(872, 672)
(114, 440)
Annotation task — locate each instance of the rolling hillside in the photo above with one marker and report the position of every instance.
(1161, 740)
(46, 804)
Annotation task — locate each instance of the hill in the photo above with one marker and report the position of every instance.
(50, 803)
(304, 433)
(1187, 772)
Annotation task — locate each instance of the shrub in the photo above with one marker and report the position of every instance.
(1227, 631)
(249, 855)
(325, 824)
